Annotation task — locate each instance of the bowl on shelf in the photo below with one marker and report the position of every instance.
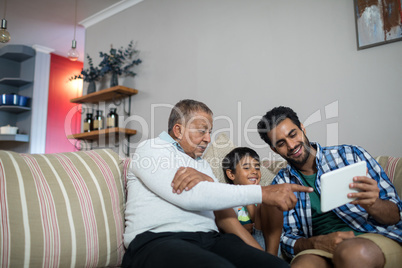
(9, 99)
(14, 99)
(8, 130)
(23, 101)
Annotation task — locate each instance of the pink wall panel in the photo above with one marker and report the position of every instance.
(62, 116)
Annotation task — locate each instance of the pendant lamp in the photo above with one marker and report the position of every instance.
(73, 52)
(4, 34)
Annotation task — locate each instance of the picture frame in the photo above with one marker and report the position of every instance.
(377, 22)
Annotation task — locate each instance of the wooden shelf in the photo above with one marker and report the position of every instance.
(106, 95)
(109, 94)
(96, 134)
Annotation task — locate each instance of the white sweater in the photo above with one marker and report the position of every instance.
(151, 204)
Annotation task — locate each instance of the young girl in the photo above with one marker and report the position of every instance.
(242, 167)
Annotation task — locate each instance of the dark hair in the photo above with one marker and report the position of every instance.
(233, 158)
(182, 111)
(273, 118)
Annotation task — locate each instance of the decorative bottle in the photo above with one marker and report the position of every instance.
(98, 121)
(88, 123)
(112, 119)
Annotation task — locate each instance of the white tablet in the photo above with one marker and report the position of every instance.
(335, 185)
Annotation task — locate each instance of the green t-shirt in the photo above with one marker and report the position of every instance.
(323, 223)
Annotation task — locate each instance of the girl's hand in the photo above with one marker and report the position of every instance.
(249, 227)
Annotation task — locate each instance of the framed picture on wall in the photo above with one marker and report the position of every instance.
(378, 22)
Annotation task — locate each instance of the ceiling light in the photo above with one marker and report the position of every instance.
(4, 34)
(73, 52)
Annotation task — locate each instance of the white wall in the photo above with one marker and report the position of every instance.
(242, 58)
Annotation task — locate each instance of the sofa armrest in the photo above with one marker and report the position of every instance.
(62, 210)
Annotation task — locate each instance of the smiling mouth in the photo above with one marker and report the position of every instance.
(253, 180)
(297, 151)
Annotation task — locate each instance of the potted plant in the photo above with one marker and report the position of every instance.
(89, 75)
(119, 62)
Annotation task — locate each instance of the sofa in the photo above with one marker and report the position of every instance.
(62, 210)
(67, 209)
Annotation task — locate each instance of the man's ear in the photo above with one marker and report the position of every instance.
(178, 131)
(274, 149)
(230, 174)
(302, 128)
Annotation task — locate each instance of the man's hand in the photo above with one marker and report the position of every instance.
(368, 192)
(282, 196)
(330, 241)
(186, 178)
(383, 211)
(325, 242)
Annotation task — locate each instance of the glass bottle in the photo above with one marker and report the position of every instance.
(88, 123)
(98, 120)
(112, 119)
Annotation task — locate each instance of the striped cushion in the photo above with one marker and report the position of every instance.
(393, 168)
(61, 210)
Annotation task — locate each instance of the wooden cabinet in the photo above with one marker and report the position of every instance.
(17, 66)
(106, 95)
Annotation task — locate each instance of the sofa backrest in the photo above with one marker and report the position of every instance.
(393, 168)
(62, 210)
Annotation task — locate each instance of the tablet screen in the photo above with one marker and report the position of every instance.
(335, 185)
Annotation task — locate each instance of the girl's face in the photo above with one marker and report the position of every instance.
(247, 172)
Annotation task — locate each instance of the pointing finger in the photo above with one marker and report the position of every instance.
(301, 188)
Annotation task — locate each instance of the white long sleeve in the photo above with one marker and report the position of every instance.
(158, 174)
(151, 204)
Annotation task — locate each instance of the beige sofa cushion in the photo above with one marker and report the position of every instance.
(393, 168)
(61, 210)
(274, 165)
(218, 149)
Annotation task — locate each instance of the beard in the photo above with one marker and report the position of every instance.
(306, 148)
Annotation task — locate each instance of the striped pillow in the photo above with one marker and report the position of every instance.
(62, 210)
(393, 168)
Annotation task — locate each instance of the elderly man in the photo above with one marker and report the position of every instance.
(366, 232)
(175, 226)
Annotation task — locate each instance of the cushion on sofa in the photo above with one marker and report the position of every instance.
(61, 210)
(274, 165)
(218, 149)
(393, 168)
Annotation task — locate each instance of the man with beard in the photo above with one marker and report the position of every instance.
(366, 232)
